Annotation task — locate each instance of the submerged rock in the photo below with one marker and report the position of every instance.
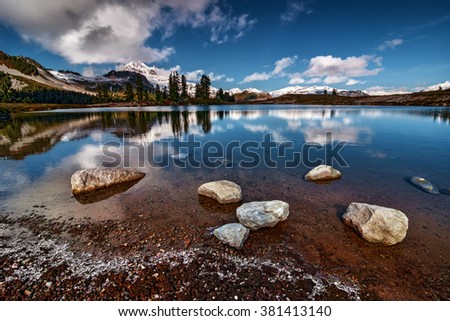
(222, 191)
(377, 224)
(423, 184)
(323, 173)
(256, 215)
(233, 234)
(92, 179)
(104, 193)
(445, 191)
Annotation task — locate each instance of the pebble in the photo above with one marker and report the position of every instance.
(49, 284)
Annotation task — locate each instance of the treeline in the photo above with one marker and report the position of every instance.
(35, 94)
(52, 96)
(19, 63)
(177, 92)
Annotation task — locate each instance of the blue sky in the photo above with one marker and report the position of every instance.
(387, 45)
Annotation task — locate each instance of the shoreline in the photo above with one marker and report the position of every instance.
(425, 99)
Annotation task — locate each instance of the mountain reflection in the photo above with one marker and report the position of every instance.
(36, 133)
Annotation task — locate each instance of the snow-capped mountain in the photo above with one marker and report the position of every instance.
(442, 86)
(154, 75)
(158, 76)
(315, 90)
(385, 91)
(234, 91)
(74, 77)
(114, 80)
(300, 90)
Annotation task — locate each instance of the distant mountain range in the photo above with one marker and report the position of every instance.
(25, 70)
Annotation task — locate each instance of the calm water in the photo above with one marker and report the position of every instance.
(383, 145)
(40, 152)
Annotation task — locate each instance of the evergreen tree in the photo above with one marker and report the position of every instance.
(170, 84)
(99, 94)
(229, 98)
(205, 84)
(158, 93)
(325, 92)
(103, 93)
(139, 88)
(5, 86)
(174, 86)
(334, 92)
(184, 92)
(220, 95)
(146, 96)
(197, 91)
(129, 94)
(165, 94)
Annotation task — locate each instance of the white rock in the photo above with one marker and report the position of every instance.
(222, 191)
(323, 173)
(256, 215)
(377, 224)
(88, 180)
(233, 234)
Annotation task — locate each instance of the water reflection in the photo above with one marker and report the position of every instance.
(37, 133)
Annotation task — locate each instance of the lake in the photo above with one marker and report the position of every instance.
(266, 150)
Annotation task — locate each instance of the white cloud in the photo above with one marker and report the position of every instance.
(88, 72)
(334, 79)
(315, 80)
(280, 66)
(116, 31)
(197, 74)
(256, 76)
(352, 82)
(390, 44)
(176, 68)
(294, 9)
(296, 79)
(336, 69)
(92, 71)
(225, 27)
(327, 69)
(214, 77)
(194, 75)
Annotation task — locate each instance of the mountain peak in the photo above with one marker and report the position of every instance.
(138, 66)
(153, 74)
